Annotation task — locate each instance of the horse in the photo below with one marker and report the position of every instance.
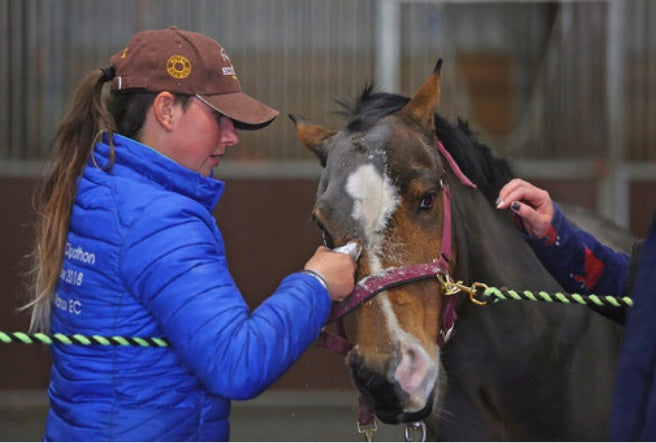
(416, 192)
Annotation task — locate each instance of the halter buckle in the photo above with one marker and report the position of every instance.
(368, 430)
(446, 335)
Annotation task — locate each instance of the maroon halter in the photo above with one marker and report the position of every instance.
(374, 284)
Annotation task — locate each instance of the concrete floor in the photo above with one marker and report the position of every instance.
(274, 416)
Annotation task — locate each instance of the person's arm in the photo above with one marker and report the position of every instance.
(577, 260)
(176, 266)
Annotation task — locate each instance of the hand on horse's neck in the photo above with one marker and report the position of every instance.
(490, 248)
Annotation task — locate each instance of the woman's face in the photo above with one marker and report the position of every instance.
(200, 137)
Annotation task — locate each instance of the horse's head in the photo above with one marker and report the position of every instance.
(382, 186)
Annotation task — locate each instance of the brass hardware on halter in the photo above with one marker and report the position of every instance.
(450, 287)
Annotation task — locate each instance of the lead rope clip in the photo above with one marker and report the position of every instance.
(451, 287)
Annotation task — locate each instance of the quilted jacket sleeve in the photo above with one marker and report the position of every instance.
(580, 263)
(174, 263)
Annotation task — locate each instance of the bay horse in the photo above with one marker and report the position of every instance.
(414, 190)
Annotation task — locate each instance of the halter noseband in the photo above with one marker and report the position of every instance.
(374, 284)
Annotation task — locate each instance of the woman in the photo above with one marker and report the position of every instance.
(127, 245)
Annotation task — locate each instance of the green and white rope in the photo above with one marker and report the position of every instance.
(79, 339)
(500, 294)
(481, 293)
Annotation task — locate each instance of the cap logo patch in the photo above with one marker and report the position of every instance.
(178, 66)
(227, 70)
(225, 56)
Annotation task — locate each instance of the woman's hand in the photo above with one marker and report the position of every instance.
(532, 204)
(337, 268)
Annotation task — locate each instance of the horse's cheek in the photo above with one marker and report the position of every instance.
(372, 337)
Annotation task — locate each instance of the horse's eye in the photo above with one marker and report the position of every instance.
(427, 201)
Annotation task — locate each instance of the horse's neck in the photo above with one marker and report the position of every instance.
(490, 249)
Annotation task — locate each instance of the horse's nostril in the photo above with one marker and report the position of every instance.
(416, 372)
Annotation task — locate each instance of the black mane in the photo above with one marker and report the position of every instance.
(475, 159)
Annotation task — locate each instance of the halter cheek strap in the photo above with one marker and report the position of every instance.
(453, 165)
(449, 315)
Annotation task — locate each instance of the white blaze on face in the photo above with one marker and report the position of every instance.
(374, 201)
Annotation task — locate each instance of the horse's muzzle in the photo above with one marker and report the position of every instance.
(387, 397)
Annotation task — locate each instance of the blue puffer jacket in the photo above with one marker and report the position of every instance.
(144, 258)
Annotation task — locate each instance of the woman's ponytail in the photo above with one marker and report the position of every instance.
(86, 120)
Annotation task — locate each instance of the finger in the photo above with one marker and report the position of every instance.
(507, 191)
(524, 211)
(526, 193)
(532, 219)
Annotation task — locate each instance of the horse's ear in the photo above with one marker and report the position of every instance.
(312, 136)
(423, 105)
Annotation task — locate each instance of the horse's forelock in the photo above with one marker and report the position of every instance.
(474, 158)
(369, 107)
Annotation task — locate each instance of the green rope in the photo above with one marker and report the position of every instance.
(558, 297)
(498, 294)
(79, 339)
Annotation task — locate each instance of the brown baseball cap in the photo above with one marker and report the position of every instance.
(184, 62)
